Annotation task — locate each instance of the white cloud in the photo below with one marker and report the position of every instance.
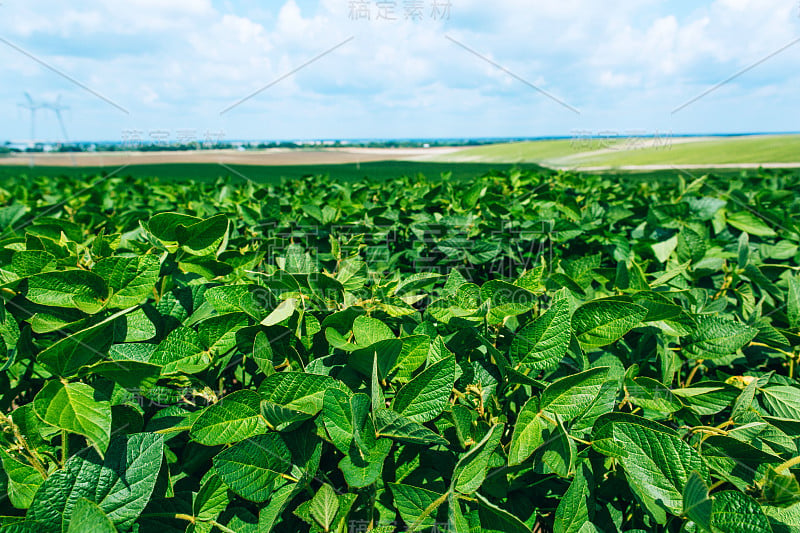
(614, 80)
(167, 61)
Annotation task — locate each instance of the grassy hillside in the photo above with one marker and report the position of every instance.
(528, 151)
(676, 151)
(745, 150)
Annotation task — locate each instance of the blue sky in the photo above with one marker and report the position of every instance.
(463, 68)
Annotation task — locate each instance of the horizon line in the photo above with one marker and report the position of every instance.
(578, 134)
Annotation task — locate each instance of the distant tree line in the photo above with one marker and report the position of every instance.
(294, 145)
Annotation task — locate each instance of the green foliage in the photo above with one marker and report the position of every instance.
(525, 351)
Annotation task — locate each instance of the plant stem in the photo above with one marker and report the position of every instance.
(717, 485)
(576, 439)
(708, 429)
(725, 286)
(788, 465)
(547, 418)
(787, 354)
(693, 373)
(193, 520)
(173, 429)
(221, 527)
(372, 506)
(428, 510)
(64, 447)
(290, 478)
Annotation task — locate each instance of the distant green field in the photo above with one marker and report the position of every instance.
(271, 174)
(528, 151)
(383, 170)
(582, 153)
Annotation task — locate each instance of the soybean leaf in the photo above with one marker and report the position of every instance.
(88, 517)
(573, 509)
(77, 408)
(235, 417)
(734, 511)
(211, 499)
(324, 506)
(793, 302)
(601, 322)
(570, 396)
(67, 356)
(395, 426)
(252, 467)
(506, 299)
(717, 337)
(782, 401)
(77, 289)
(217, 334)
(541, 344)
(425, 397)
(368, 331)
(559, 450)
(363, 469)
(737, 462)
(130, 280)
(284, 310)
(165, 226)
(530, 432)
(132, 375)
(417, 506)
(750, 223)
(495, 520)
(298, 391)
(658, 464)
(696, 502)
(337, 415)
(781, 488)
(204, 237)
(181, 352)
(650, 394)
(471, 469)
(120, 484)
(23, 481)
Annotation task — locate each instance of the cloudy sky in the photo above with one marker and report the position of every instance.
(184, 69)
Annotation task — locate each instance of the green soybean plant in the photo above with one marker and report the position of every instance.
(527, 351)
